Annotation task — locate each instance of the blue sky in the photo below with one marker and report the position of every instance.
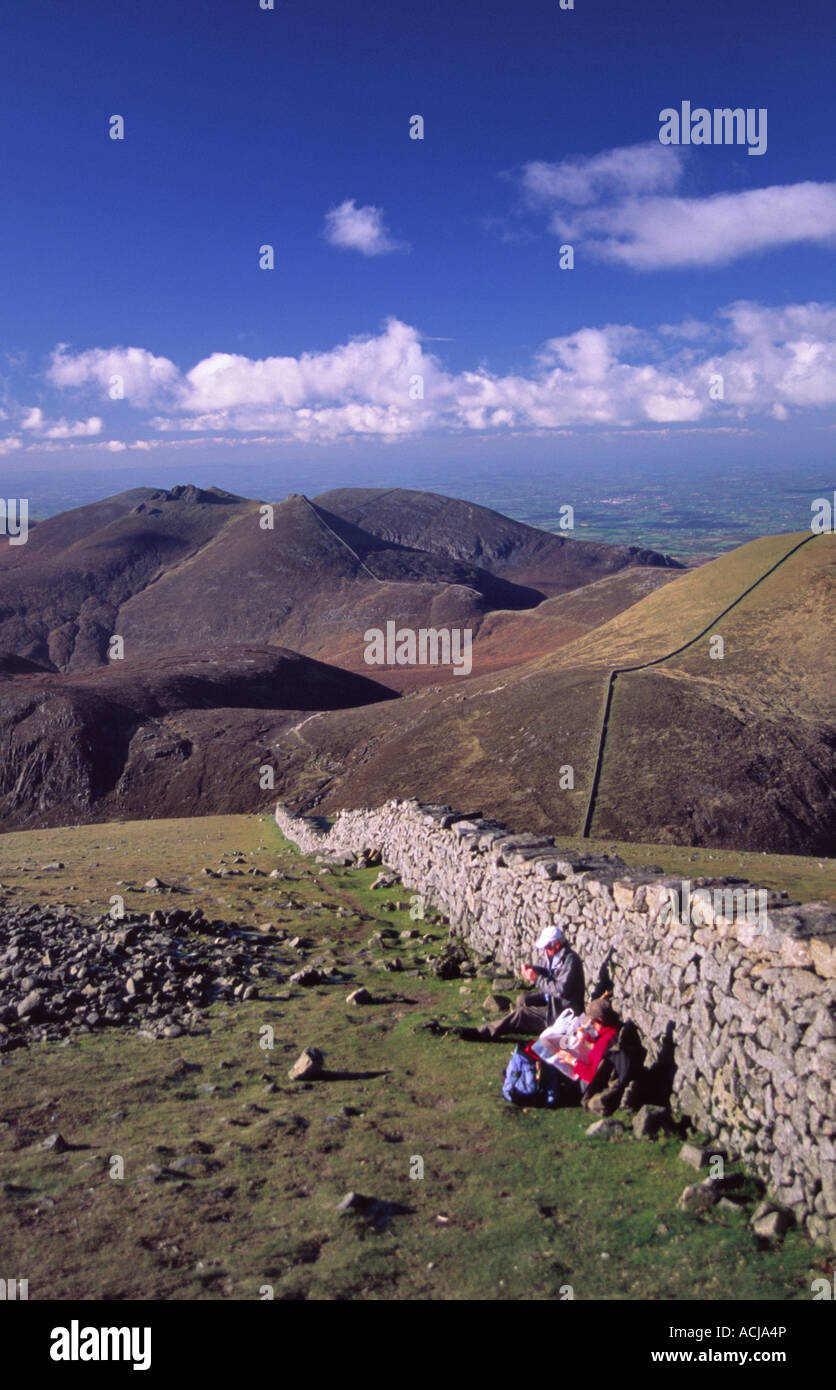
(398, 259)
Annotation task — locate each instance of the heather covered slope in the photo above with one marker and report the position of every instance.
(233, 631)
(164, 734)
(61, 593)
(302, 585)
(552, 563)
(507, 639)
(230, 630)
(738, 752)
(193, 566)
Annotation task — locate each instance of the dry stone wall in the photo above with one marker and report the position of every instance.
(748, 1008)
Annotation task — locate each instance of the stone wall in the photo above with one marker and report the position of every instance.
(749, 1008)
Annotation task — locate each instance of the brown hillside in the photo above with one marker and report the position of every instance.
(552, 563)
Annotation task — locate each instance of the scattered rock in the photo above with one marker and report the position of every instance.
(306, 978)
(354, 1201)
(772, 1223)
(700, 1196)
(360, 996)
(387, 878)
(699, 1156)
(308, 1065)
(446, 967)
(189, 1164)
(55, 1144)
(31, 1004)
(605, 1129)
(650, 1121)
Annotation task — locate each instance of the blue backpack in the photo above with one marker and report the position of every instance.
(529, 1081)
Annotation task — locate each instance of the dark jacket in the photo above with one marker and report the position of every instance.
(563, 983)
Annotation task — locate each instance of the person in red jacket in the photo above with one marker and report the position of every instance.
(586, 1047)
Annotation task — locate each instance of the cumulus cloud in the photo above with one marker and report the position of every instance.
(35, 421)
(137, 373)
(362, 229)
(370, 385)
(771, 357)
(621, 206)
(770, 360)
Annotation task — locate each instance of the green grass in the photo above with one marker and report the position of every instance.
(803, 878)
(512, 1205)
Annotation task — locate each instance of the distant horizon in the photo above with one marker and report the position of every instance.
(687, 516)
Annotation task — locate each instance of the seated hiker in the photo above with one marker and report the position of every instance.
(579, 1054)
(562, 987)
(620, 1081)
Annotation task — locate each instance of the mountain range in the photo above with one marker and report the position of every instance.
(190, 651)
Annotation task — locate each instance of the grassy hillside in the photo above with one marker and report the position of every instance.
(512, 1205)
(676, 613)
(716, 748)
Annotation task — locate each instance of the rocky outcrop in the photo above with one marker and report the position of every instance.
(739, 1014)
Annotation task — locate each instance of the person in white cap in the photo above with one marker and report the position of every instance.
(562, 988)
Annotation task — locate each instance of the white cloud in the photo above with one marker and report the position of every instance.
(621, 206)
(359, 387)
(664, 233)
(360, 229)
(10, 443)
(689, 329)
(771, 360)
(35, 421)
(142, 374)
(630, 169)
